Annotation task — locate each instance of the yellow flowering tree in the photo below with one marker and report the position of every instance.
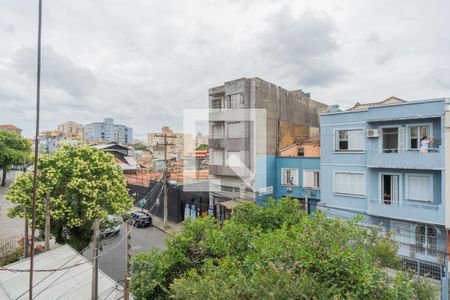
(82, 183)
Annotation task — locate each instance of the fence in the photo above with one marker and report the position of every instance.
(9, 244)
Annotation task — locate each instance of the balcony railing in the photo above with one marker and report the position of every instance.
(406, 158)
(406, 210)
(392, 203)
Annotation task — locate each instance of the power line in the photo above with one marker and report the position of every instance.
(68, 267)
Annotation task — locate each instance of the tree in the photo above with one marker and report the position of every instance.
(141, 147)
(276, 252)
(82, 183)
(202, 147)
(14, 149)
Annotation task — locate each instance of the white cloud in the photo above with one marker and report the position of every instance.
(142, 62)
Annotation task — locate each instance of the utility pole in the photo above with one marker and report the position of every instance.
(47, 222)
(95, 261)
(25, 238)
(166, 173)
(36, 149)
(126, 290)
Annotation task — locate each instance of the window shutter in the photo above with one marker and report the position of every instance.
(308, 178)
(294, 173)
(419, 188)
(350, 183)
(356, 140)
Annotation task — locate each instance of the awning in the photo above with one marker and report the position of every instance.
(230, 204)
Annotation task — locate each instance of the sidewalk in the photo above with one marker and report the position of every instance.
(8, 226)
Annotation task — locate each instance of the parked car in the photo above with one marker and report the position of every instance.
(141, 219)
(110, 227)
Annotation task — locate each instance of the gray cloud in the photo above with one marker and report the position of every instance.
(143, 62)
(303, 45)
(382, 52)
(58, 71)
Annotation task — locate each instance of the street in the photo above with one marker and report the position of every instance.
(113, 262)
(9, 227)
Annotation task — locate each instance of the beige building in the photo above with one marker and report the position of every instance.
(71, 131)
(201, 139)
(181, 142)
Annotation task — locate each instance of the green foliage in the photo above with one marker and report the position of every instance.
(14, 149)
(140, 147)
(83, 183)
(11, 257)
(202, 147)
(274, 252)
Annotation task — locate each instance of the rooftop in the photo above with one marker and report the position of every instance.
(71, 283)
(389, 101)
(9, 127)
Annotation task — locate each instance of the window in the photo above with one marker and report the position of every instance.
(234, 159)
(216, 103)
(234, 101)
(390, 189)
(217, 157)
(390, 140)
(301, 151)
(311, 179)
(234, 130)
(349, 140)
(416, 133)
(426, 240)
(289, 177)
(217, 131)
(226, 188)
(419, 187)
(349, 183)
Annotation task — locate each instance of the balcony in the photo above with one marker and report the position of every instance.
(407, 210)
(406, 159)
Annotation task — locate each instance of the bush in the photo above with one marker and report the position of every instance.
(275, 252)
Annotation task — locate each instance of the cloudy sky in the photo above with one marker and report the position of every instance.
(143, 61)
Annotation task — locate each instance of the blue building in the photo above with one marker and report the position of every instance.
(375, 163)
(298, 177)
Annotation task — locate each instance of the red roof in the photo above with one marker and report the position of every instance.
(9, 127)
(388, 101)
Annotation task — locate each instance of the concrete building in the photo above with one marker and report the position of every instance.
(12, 128)
(375, 163)
(107, 131)
(181, 142)
(201, 139)
(304, 147)
(71, 131)
(250, 120)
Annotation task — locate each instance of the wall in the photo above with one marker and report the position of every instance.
(409, 213)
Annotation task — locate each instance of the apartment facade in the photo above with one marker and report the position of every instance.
(180, 142)
(249, 121)
(375, 163)
(107, 131)
(71, 130)
(201, 139)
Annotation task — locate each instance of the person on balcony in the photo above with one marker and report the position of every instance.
(425, 144)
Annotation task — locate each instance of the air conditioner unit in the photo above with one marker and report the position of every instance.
(370, 133)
